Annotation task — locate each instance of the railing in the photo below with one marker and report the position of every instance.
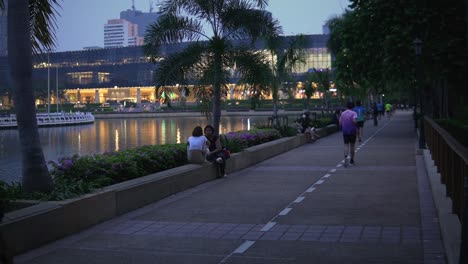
(451, 159)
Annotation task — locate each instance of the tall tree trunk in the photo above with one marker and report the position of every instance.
(275, 95)
(217, 95)
(35, 174)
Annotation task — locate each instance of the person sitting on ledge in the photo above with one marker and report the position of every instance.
(197, 146)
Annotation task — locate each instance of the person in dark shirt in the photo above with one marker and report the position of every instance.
(215, 153)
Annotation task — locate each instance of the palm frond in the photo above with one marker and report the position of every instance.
(241, 20)
(253, 68)
(171, 29)
(43, 24)
(178, 67)
(292, 57)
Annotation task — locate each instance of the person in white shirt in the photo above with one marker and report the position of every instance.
(197, 146)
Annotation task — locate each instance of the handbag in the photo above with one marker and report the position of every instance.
(225, 149)
(226, 152)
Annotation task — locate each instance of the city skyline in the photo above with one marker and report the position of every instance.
(80, 23)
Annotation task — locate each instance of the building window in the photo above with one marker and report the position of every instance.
(80, 77)
(103, 77)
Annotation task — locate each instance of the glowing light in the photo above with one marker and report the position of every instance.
(178, 136)
(116, 140)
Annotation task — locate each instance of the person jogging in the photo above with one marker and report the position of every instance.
(361, 116)
(348, 121)
(388, 110)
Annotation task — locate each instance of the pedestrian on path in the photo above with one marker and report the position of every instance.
(361, 117)
(388, 110)
(215, 153)
(380, 108)
(348, 121)
(197, 146)
(375, 113)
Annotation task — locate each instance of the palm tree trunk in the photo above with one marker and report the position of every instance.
(217, 95)
(35, 174)
(275, 105)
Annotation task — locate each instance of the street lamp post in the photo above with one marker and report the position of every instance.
(417, 44)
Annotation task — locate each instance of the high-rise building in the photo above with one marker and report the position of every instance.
(142, 19)
(3, 30)
(121, 33)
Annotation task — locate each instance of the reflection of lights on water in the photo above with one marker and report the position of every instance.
(116, 140)
(163, 132)
(248, 123)
(178, 136)
(79, 143)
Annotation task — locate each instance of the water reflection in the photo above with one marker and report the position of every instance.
(108, 135)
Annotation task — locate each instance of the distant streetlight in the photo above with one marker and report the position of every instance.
(417, 45)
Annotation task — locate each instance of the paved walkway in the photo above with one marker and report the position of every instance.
(299, 207)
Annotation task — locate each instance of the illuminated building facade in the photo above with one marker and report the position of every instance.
(125, 73)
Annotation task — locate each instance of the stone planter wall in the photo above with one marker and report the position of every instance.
(34, 226)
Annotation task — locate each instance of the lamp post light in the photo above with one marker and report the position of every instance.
(417, 45)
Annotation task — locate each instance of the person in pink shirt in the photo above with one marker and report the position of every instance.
(348, 121)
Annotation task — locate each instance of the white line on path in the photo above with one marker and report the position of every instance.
(242, 248)
(299, 199)
(247, 244)
(285, 211)
(268, 226)
(339, 165)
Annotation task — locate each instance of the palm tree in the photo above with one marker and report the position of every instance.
(323, 80)
(308, 87)
(30, 29)
(207, 62)
(283, 62)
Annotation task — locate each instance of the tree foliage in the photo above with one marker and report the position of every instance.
(373, 46)
(209, 27)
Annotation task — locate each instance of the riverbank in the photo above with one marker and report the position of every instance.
(120, 115)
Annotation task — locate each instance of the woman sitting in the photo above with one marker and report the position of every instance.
(215, 153)
(197, 146)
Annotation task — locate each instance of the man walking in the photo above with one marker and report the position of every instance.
(361, 116)
(348, 121)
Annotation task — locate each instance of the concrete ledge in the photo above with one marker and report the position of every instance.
(450, 225)
(34, 226)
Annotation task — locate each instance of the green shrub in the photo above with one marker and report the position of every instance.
(77, 175)
(322, 122)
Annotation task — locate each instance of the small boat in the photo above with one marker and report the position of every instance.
(52, 119)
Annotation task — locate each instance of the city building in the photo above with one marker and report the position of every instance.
(121, 33)
(125, 73)
(142, 19)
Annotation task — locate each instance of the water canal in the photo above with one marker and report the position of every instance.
(109, 135)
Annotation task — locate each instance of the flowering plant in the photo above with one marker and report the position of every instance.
(244, 139)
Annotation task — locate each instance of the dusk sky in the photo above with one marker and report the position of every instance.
(81, 23)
